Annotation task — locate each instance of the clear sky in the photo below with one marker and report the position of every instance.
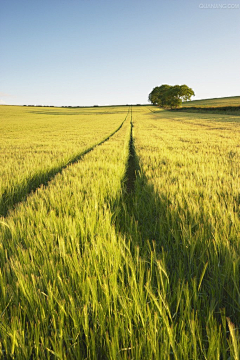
(89, 52)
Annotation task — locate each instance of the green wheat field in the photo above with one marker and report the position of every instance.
(119, 233)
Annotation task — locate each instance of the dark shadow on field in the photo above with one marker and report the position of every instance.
(184, 116)
(222, 110)
(148, 220)
(227, 110)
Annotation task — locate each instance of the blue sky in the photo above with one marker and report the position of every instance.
(88, 52)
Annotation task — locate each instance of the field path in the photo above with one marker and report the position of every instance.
(11, 197)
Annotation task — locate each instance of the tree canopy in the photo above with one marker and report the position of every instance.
(167, 96)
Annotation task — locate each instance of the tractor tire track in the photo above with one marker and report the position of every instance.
(11, 197)
(132, 165)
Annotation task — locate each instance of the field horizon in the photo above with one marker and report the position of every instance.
(209, 102)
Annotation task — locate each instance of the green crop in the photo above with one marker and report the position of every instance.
(131, 252)
(37, 143)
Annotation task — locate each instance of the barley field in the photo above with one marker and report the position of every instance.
(130, 250)
(38, 142)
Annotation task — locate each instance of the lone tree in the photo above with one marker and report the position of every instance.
(167, 96)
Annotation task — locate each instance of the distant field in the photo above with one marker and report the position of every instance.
(132, 250)
(218, 102)
(37, 142)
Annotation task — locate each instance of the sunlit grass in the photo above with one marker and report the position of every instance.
(92, 271)
(38, 142)
(60, 253)
(192, 164)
